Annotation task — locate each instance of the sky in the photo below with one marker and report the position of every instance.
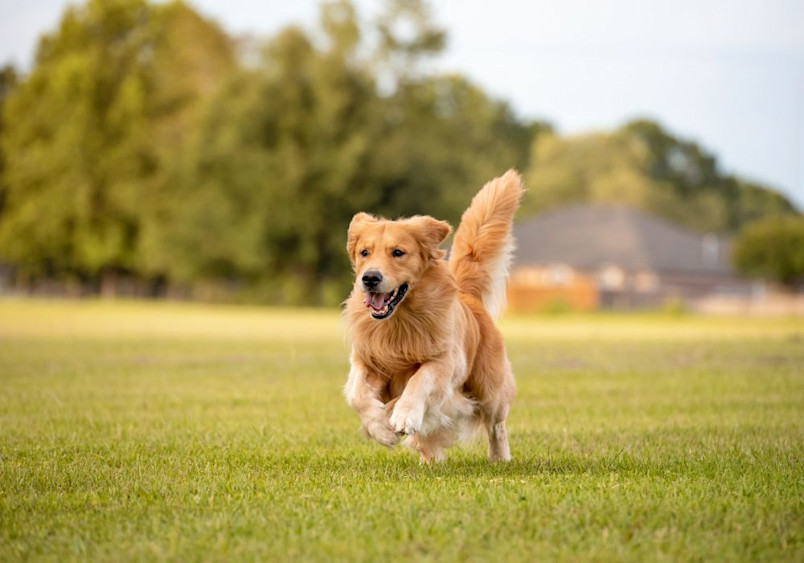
(726, 74)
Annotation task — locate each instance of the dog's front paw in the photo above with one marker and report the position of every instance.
(407, 418)
(379, 430)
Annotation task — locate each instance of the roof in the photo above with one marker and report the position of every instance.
(593, 236)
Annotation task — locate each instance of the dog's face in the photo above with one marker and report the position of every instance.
(389, 257)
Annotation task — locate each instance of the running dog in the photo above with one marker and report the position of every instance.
(427, 361)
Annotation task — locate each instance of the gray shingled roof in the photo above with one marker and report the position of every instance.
(591, 236)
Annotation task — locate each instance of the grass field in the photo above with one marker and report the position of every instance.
(157, 431)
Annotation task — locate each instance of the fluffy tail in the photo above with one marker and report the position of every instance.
(483, 245)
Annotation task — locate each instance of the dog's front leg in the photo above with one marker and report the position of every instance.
(425, 388)
(363, 394)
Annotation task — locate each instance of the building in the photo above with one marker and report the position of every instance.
(588, 257)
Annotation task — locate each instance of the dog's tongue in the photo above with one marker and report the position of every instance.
(376, 300)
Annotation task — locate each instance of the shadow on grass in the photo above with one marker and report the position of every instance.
(621, 460)
(405, 465)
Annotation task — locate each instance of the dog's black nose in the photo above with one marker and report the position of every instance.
(371, 279)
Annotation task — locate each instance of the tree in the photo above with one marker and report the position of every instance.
(89, 132)
(192, 58)
(274, 167)
(693, 175)
(440, 139)
(408, 36)
(293, 146)
(772, 249)
(754, 201)
(595, 167)
(644, 166)
(8, 81)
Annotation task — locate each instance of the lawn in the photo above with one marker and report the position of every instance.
(133, 431)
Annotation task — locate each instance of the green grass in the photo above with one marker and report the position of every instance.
(136, 431)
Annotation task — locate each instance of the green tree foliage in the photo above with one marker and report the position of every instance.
(693, 176)
(89, 132)
(644, 166)
(8, 81)
(275, 166)
(408, 36)
(440, 139)
(292, 147)
(772, 249)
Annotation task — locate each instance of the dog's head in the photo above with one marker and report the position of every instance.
(389, 257)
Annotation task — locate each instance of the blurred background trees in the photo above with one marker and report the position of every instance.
(145, 152)
(772, 249)
(644, 166)
(91, 135)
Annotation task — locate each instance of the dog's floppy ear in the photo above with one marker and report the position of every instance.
(432, 233)
(354, 230)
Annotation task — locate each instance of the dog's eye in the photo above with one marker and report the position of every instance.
(364, 253)
(396, 253)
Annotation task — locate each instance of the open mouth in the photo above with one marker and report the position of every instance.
(382, 304)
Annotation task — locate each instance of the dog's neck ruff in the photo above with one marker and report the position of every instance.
(417, 332)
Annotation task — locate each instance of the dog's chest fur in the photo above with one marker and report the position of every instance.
(396, 347)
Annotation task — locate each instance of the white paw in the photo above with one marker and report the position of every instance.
(407, 418)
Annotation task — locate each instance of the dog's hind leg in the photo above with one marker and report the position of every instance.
(494, 417)
(498, 442)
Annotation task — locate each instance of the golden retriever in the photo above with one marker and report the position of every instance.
(427, 360)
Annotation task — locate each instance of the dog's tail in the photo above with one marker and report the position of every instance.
(483, 245)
